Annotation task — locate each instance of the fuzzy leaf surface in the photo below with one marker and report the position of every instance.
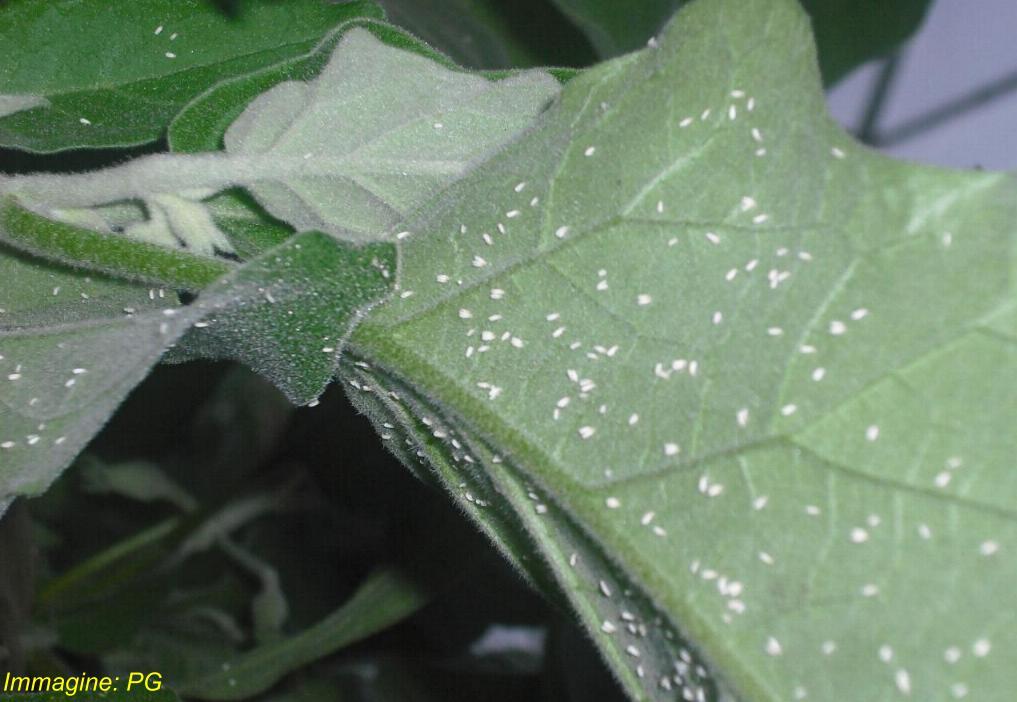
(756, 377)
(410, 126)
(203, 124)
(72, 345)
(286, 312)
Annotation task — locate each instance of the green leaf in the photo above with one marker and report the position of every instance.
(269, 607)
(407, 428)
(486, 34)
(85, 74)
(757, 378)
(420, 127)
(71, 347)
(387, 596)
(203, 123)
(848, 32)
(470, 31)
(136, 480)
(296, 302)
(104, 574)
(105, 252)
(615, 28)
(411, 127)
(250, 230)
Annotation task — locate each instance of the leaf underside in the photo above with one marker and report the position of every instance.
(284, 313)
(322, 166)
(72, 345)
(744, 385)
(350, 153)
(765, 370)
(69, 358)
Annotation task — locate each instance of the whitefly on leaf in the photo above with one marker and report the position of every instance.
(763, 369)
(377, 134)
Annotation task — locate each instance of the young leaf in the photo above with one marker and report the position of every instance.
(107, 252)
(251, 231)
(136, 480)
(410, 127)
(203, 123)
(420, 127)
(202, 126)
(91, 74)
(762, 375)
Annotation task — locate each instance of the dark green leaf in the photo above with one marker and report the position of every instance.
(851, 32)
(102, 574)
(488, 34)
(85, 73)
(618, 27)
(848, 32)
(387, 596)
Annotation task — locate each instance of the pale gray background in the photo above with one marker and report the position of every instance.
(963, 45)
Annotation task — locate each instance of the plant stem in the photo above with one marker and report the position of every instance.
(955, 108)
(867, 132)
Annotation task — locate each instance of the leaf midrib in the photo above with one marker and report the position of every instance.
(528, 453)
(527, 450)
